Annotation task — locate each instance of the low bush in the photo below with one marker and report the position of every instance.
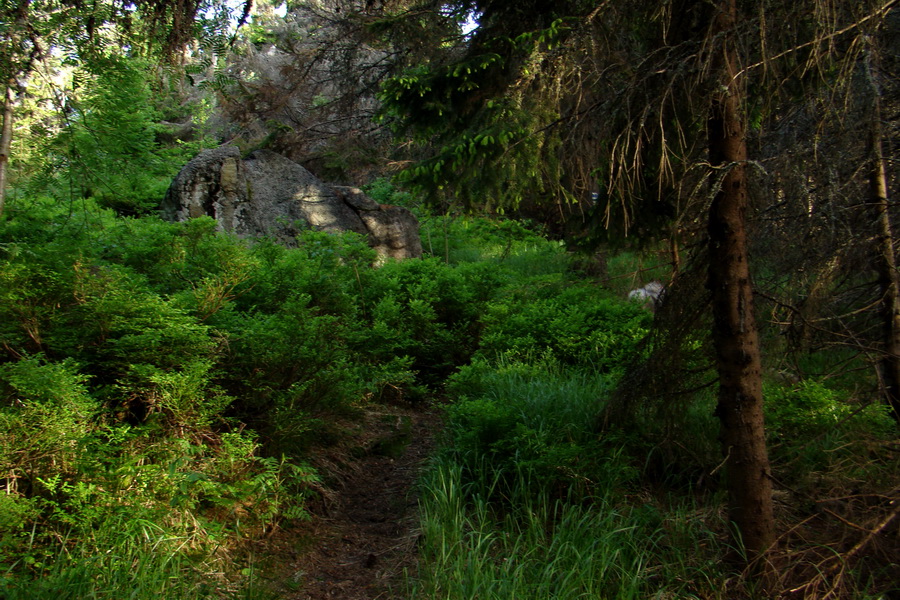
(577, 325)
(113, 399)
(168, 373)
(426, 310)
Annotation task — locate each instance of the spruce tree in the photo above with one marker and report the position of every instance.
(646, 104)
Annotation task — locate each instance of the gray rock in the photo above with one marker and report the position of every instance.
(394, 231)
(650, 295)
(356, 198)
(267, 194)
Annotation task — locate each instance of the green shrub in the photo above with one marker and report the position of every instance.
(810, 409)
(130, 339)
(330, 269)
(36, 285)
(577, 325)
(285, 366)
(45, 413)
(510, 246)
(816, 433)
(112, 405)
(190, 258)
(425, 310)
(383, 191)
(809, 406)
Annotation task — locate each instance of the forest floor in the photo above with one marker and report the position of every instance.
(363, 536)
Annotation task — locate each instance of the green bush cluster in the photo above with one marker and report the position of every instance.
(133, 352)
(426, 310)
(174, 374)
(166, 373)
(578, 325)
(807, 407)
(528, 405)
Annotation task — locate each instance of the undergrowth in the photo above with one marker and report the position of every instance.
(165, 389)
(529, 498)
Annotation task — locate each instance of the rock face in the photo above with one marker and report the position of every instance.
(267, 194)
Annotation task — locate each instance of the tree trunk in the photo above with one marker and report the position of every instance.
(5, 142)
(674, 251)
(735, 337)
(888, 282)
(10, 58)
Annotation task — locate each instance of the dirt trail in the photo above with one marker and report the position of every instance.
(364, 533)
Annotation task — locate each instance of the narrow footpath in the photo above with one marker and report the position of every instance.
(364, 534)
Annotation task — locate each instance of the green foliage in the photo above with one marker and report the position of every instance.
(383, 191)
(817, 432)
(424, 94)
(107, 146)
(487, 152)
(45, 414)
(427, 310)
(542, 547)
(539, 549)
(809, 406)
(285, 366)
(140, 561)
(540, 419)
(631, 269)
(328, 268)
(168, 373)
(514, 251)
(578, 325)
(65, 303)
(529, 500)
(198, 369)
(112, 406)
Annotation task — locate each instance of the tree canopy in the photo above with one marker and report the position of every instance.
(74, 33)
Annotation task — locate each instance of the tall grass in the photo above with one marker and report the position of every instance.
(534, 548)
(137, 560)
(543, 392)
(631, 269)
(530, 500)
(509, 245)
(538, 546)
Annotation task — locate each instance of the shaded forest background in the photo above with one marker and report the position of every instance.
(167, 389)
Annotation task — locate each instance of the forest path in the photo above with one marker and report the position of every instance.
(364, 532)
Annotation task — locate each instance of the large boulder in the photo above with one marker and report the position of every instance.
(267, 194)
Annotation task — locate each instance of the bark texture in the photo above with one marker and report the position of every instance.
(888, 281)
(736, 341)
(5, 143)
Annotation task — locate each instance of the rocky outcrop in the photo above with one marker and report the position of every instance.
(394, 230)
(267, 194)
